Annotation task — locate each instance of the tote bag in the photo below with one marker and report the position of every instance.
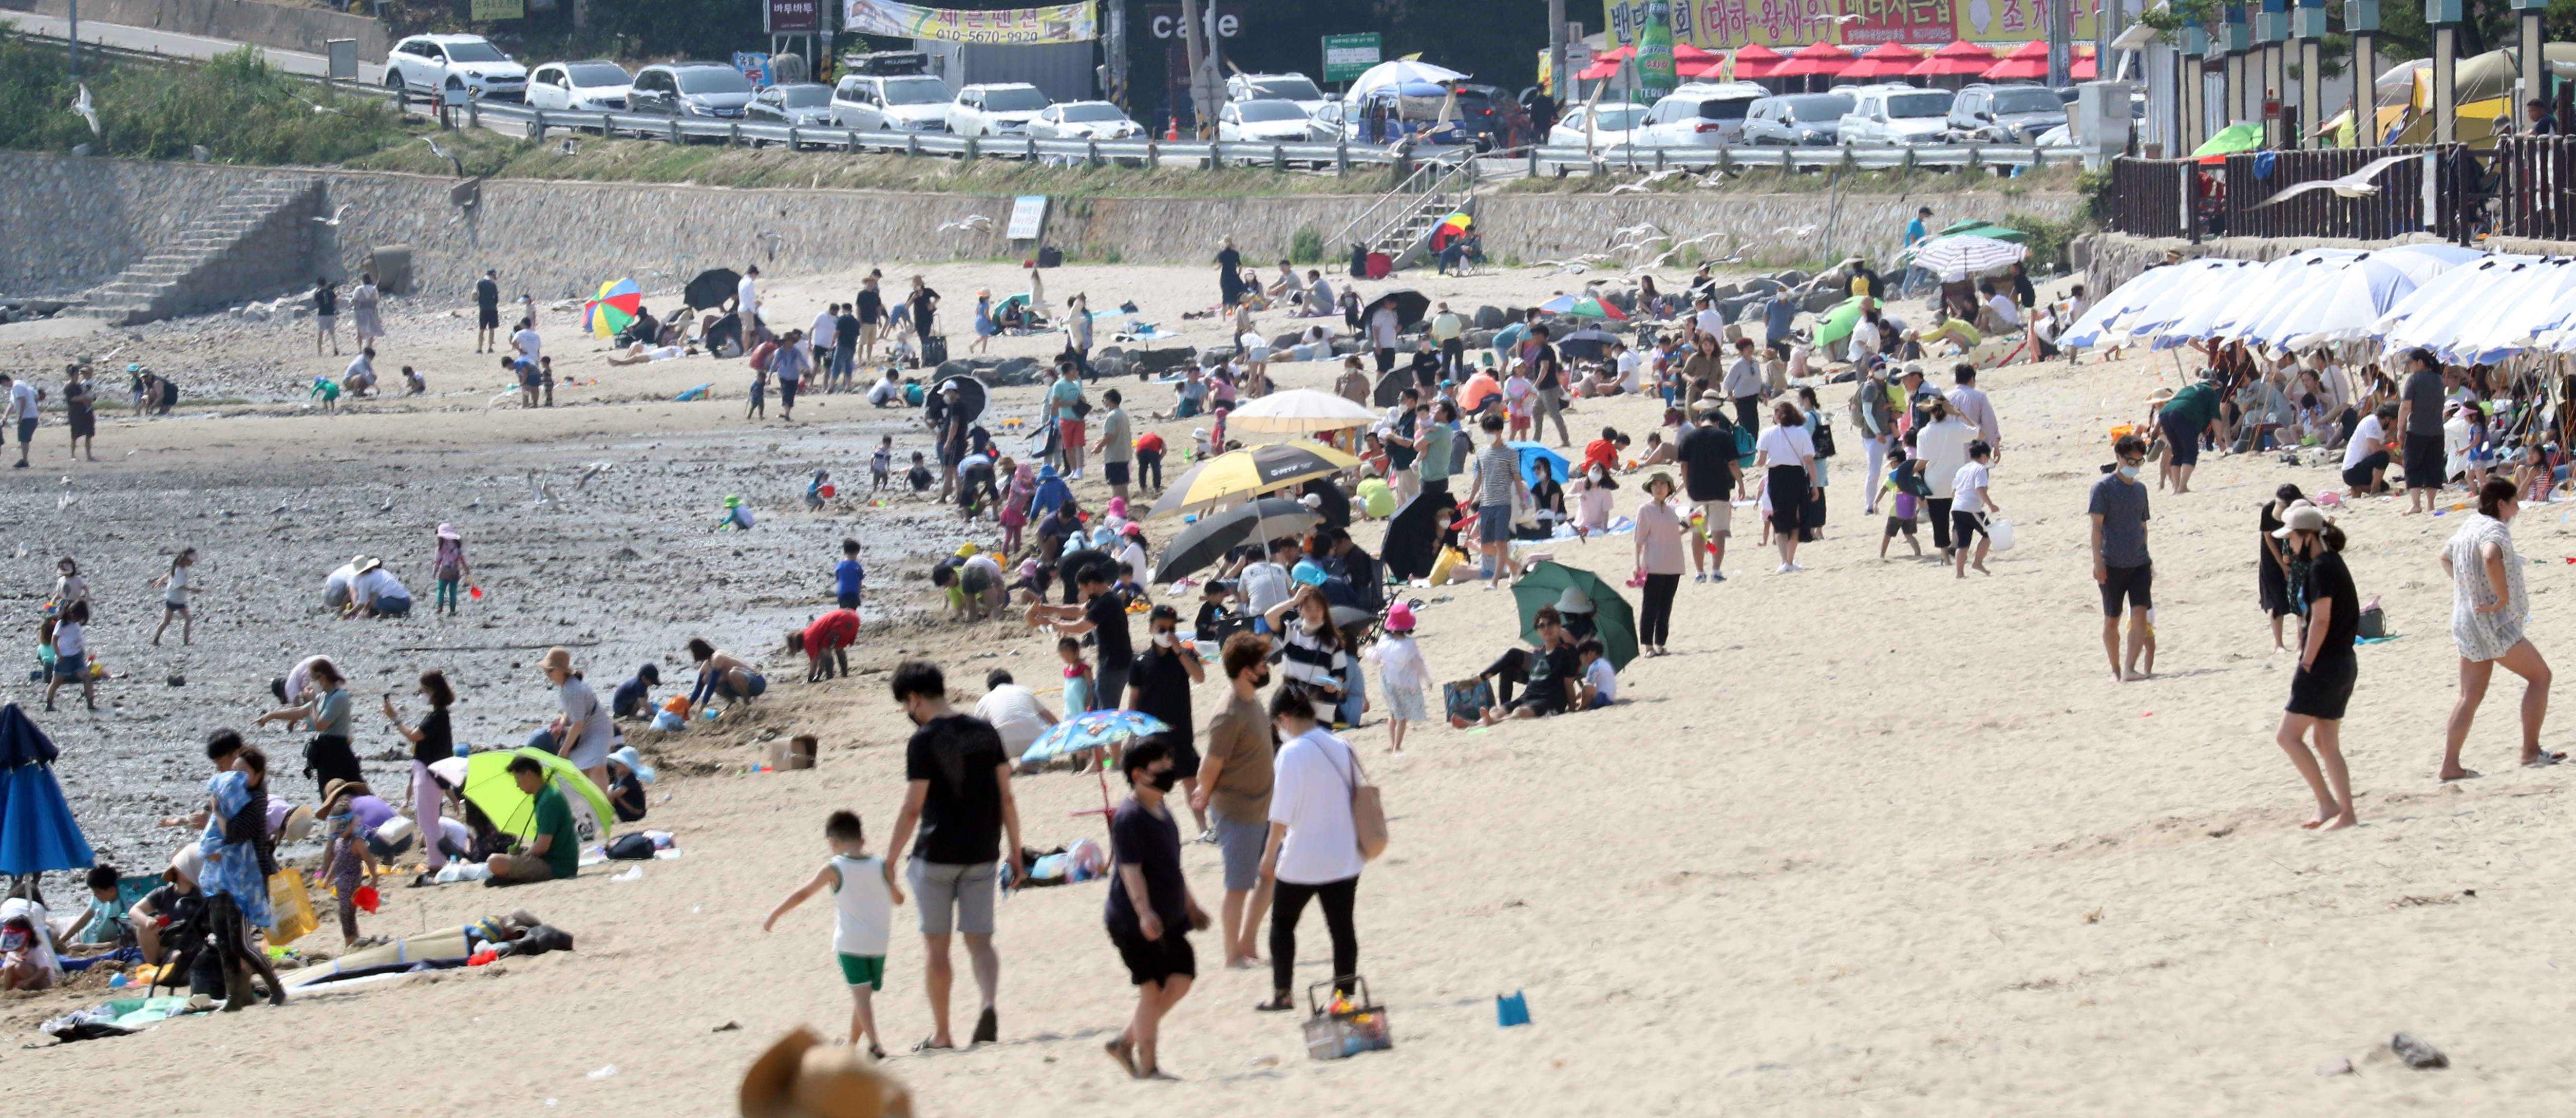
(1368, 813)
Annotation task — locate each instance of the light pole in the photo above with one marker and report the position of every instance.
(2444, 16)
(2308, 28)
(2535, 68)
(2361, 19)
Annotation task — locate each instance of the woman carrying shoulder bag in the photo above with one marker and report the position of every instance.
(1324, 824)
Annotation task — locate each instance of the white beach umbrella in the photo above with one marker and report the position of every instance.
(2435, 314)
(2150, 321)
(2109, 314)
(2286, 281)
(2531, 302)
(1398, 72)
(1966, 253)
(2346, 307)
(2423, 262)
(1300, 411)
(2215, 305)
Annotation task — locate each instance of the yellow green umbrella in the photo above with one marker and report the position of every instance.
(487, 784)
(2232, 139)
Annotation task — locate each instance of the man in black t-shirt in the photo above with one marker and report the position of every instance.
(1712, 472)
(872, 317)
(1102, 613)
(1158, 684)
(487, 312)
(1555, 673)
(958, 791)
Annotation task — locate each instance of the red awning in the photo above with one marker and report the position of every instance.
(1814, 58)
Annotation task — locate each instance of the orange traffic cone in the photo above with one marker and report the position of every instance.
(1172, 128)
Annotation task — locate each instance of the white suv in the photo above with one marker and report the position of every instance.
(592, 86)
(1699, 114)
(1000, 109)
(899, 103)
(462, 65)
(1295, 89)
(1897, 115)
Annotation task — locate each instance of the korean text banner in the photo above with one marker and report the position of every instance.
(1062, 23)
(1786, 25)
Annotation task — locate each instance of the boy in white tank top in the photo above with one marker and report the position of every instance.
(864, 894)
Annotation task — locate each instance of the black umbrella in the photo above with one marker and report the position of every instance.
(1410, 306)
(1217, 533)
(726, 329)
(1586, 345)
(971, 396)
(1391, 386)
(712, 288)
(1413, 539)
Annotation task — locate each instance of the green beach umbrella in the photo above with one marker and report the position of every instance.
(1836, 323)
(487, 784)
(1977, 227)
(1614, 620)
(2232, 139)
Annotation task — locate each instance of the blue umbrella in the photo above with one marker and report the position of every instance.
(1534, 453)
(37, 832)
(1092, 730)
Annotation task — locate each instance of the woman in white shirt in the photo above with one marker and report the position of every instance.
(1789, 454)
(587, 734)
(1314, 847)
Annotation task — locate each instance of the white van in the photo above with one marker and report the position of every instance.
(1699, 114)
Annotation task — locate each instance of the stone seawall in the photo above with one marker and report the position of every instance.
(68, 223)
(240, 21)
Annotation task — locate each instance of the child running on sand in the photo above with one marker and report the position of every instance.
(448, 566)
(175, 588)
(864, 894)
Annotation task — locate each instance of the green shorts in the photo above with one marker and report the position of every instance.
(864, 970)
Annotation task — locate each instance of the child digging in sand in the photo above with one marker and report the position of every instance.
(863, 895)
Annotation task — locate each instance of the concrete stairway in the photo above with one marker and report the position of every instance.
(257, 242)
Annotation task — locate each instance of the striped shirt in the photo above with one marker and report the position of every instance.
(1497, 467)
(1305, 659)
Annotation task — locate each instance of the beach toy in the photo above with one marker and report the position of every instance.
(474, 592)
(828, 490)
(117, 982)
(1511, 1011)
(698, 393)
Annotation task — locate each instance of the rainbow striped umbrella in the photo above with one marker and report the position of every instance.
(619, 302)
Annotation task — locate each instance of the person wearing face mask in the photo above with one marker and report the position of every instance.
(958, 793)
(2488, 611)
(1314, 850)
(1234, 783)
(2322, 687)
(1593, 494)
(2120, 563)
(1158, 684)
(1150, 911)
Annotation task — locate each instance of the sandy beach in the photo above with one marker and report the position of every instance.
(1873, 841)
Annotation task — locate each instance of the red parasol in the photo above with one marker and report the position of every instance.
(1753, 60)
(1606, 68)
(2016, 69)
(1814, 58)
(1684, 52)
(1960, 57)
(1887, 60)
(1621, 54)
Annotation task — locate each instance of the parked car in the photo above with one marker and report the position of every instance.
(1700, 114)
(877, 103)
(2006, 114)
(998, 109)
(1084, 120)
(708, 89)
(1326, 126)
(1296, 89)
(1260, 122)
(1899, 115)
(591, 86)
(1608, 125)
(2061, 136)
(462, 65)
(804, 104)
(1796, 120)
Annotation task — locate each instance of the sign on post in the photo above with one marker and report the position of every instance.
(1222, 21)
(1028, 217)
(754, 66)
(1060, 23)
(1348, 56)
(486, 11)
(792, 17)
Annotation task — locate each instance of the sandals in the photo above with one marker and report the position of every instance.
(1280, 1004)
(925, 1046)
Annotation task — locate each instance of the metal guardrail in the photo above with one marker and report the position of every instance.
(1340, 156)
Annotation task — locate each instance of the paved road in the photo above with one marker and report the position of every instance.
(183, 46)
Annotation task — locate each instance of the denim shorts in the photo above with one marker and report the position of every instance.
(1494, 523)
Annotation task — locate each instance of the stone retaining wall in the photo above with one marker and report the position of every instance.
(240, 21)
(68, 223)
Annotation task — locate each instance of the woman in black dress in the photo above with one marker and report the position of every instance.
(2272, 572)
(1229, 273)
(922, 302)
(2322, 686)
